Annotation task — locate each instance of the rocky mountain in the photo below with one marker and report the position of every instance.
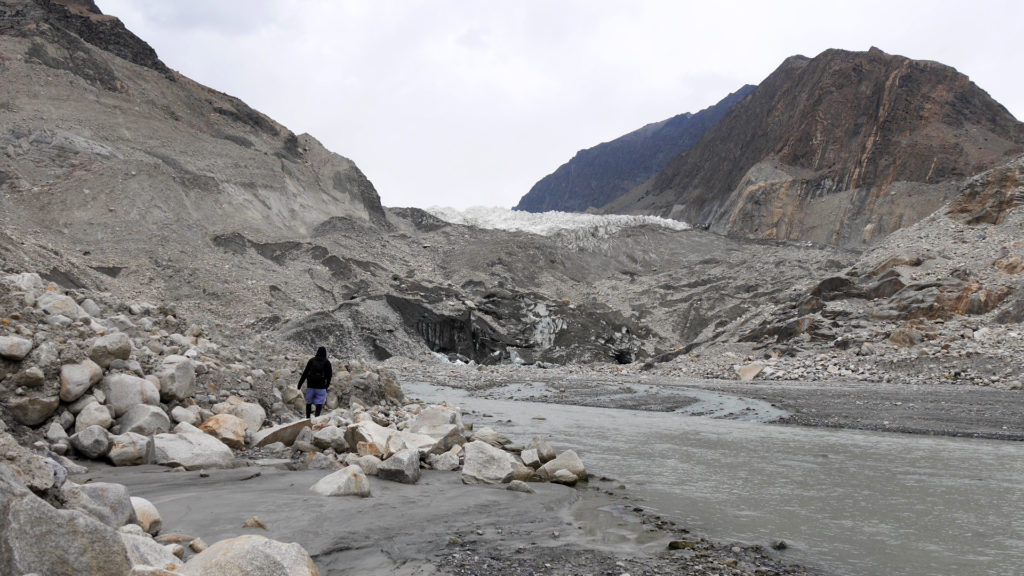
(596, 176)
(841, 149)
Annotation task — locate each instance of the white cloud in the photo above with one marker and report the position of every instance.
(466, 103)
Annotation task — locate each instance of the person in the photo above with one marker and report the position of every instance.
(317, 377)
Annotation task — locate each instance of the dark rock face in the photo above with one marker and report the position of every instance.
(840, 149)
(598, 175)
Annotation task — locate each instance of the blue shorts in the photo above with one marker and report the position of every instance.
(316, 395)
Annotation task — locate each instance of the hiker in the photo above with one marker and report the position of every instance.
(317, 377)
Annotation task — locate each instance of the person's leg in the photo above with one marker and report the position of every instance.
(309, 410)
(319, 407)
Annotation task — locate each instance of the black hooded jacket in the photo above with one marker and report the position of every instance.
(318, 371)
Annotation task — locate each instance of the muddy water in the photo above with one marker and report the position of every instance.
(846, 502)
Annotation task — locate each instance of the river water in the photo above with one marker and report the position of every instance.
(846, 502)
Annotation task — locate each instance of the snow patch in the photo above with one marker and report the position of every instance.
(549, 223)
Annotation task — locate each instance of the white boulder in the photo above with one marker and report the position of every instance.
(349, 481)
(485, 464)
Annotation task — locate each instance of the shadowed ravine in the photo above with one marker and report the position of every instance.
(846, 502)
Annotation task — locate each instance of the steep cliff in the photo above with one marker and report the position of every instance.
(841, 149)
(599, 175)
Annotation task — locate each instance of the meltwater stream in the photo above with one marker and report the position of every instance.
(847, 502)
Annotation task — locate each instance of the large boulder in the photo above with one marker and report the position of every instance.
(106, 349)
(368, 463)
(32, 410)
(283, 433)
(177, 379)
(545, 453)
(93, 442)
(331, 437)
(226, 428)
(14, 347)
(129, 449)
(349, 481)
(76, 379)
(147, 515)
(567, 460)
(188, 415)
(403, 466)
(144, 551)
(192, 450)
(94, 414)
(38, 538)
(123, 391)
(437, 416)
(403, 439)
(447, 461)
(250, 412)
(145, 419)
(59, 304)
(369, 432)
(490, 436)
(485, 464)
(114, 500)
(251, 555)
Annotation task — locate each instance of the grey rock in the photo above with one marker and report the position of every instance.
(330, 437)
(32, 377)
(144, 551)
(129, 449)
(56, 433)
(60, 305)
(95, 414)
(445, 462)
(177, 379)
(124, 391)
(519, 486)
(349, 481)
(33, 410)
(403, 466)
(531, 458)
(192, 451)
(114, 499)
(284, 433)
(106, 349)
(563, 476)
(188, 415)
(485, 464)
(567, 460)
(93, 442)
(251, 555)
(76, 379)
(14, 347)
(490, 436)
(144, 419)
(544, 450)
(90, 307)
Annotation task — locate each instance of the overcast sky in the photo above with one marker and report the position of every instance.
(467, 103)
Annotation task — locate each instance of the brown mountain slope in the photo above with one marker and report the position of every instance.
(842, 149)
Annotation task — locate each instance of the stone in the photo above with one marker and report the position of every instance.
(14, 348)
(403, 466)
(490, 436)
(369, 449)
(151, 571)
(90, 307)
(177, 379)
(56, 433)
(31, 377)
(106, 349)
(145, 419)
(485, 464)
(144, 551)
(251, 555)
(251, 413)
(519, 486)
(349, 481)
(284, 433)
(38, 538)
(330, 437)
(544, 450)
(369, 432)
(129, 449)
(32, 410)
(60, 305)
(124, 391)
(523, 472)
(445, 462)
(192, 451)
(567, 460)
(564, 477)
(95, 414)
(748, 372)
(187, 415)
(76, 379)
(530, 458)
(227, 428)
(114, 500)
(369, 463)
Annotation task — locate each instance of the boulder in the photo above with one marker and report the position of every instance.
(93, 442)
(250, 555)
(445, 462)
(106, 349)
(56, 433)
(567, 460)
(38, 538)
(519, 486)
(147, 515)
(251, 413)
(403, 466)
(76, 379)
(522, 472)
(226, 428)
(349, 481)
(144, 551)
(283, 433)
(369, 432)
(370, 464)
(32, 377)
(177, 379)
(544, 450)
(490, 436)
(32, 410)
(748, 372)
(123, 391)
(14, 348)
(369, 449)
(114, 500)
(129, 449)
(531, 458)
(188, 415)
(94, 414)
(91, 307)
(56, 304)
(564, 477)
(331, 437)
(436, 417)
(485, 464)
(192, 450)
(145, 419)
